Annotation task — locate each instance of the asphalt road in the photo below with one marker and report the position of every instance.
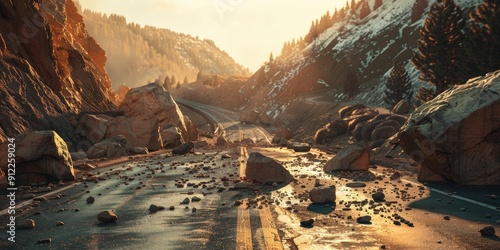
(262, 217)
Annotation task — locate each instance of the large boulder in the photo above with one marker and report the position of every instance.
(140, 131)
(330, 131)
(153, 100)
(299, 146)
(266, 170)
(183, 148)
(94, 127)
(40, 156)
(354, 157)
(110, 148)
(457, 134)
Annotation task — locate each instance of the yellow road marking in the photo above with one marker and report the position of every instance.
(243, 230)
(243, 165)
(271, 236)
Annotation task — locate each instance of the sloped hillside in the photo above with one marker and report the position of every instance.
(138, 54)
(366, 42)
(49, 67)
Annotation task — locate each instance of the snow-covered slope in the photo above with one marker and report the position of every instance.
(368, 45)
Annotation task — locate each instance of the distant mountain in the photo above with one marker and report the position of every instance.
(138, 54)
(365, 37)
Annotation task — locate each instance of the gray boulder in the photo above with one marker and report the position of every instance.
(140, 131)
(457, 134)
(41, 156)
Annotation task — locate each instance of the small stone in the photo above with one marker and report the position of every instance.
(185, 201)
(153, 208)
(193, 210)
(107, 216)
(488, 231)
(195, 199)
(307, 223)
(90, 200)
(171, 208)
(44, 241)
(364, 219)
(397, 223)
(26, 224)
(355, 184)
(378, 196)
(60, 223)
(446, 217)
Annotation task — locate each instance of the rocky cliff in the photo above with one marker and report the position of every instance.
(49, 68)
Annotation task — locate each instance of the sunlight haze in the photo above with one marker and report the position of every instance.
(247, 30)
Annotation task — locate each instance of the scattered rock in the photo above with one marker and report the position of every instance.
(90, 200)
(299, 147)
(307, 223)
(323, 194)
(60, 223)
(378, 196)
(354, 157)
(185, 201)
(153, 208)
(80, 155)
(364, 219)
(44, 241)
(26, 224)
(183, 148)
(355, 184)
(266, 170)
(488, 231)
(171, 136)
(107, 216)
(195, 199)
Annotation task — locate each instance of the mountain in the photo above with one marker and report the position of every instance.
(364, 38)
(49, 68)
(138, 54)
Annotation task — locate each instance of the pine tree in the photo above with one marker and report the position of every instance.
(398, 85)
(365, 10)
(377, 4)
(440, 47)
(483, 39)
(418, 10)
(351, 83)
(271, 58)
(199, 75)
(167, 83)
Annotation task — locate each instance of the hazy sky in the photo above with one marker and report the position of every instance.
(247, 29)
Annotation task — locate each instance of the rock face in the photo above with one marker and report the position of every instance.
(41, 156)
(112, 147)
(266, 170)
(50, 66)
(322, 194)
(354, 157)
(457, 135)
(154, 100)
(140, 131)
